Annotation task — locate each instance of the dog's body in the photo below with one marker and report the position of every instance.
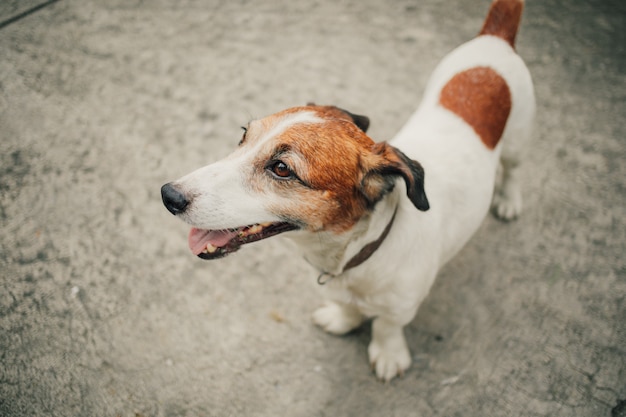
(350, 204)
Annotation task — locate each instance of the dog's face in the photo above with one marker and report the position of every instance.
(311, 168)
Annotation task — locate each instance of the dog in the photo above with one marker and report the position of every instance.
(377, 220)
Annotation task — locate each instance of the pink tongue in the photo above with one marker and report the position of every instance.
(199, 239)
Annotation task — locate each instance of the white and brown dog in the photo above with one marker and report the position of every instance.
(375, 223)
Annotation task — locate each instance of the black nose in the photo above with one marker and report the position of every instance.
(174, 200)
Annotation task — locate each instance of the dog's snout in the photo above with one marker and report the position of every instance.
(174, 200)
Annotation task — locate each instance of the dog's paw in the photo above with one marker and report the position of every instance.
(507, 205)
(336, 318)
(389, 361)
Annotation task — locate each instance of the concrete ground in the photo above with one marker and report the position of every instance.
(105, 312)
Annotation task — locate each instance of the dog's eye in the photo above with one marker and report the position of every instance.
(281, 170)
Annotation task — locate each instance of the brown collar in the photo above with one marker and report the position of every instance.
(363, 255)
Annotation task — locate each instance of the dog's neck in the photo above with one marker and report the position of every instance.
(332, 254)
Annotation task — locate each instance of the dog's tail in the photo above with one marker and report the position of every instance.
(503, 19)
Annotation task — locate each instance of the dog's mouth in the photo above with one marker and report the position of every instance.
(213, 244)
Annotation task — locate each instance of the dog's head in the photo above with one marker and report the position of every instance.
(311, 168)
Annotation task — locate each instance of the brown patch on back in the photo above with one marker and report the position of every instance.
(503, 20)
(481, 97)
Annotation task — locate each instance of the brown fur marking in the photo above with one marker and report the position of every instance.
(338, 166)
(481, 97)
(326, 157)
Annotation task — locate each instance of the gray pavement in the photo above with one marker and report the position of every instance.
(105, 312)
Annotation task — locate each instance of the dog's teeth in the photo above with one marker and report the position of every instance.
(255, 229)
(210, 248)
(265, 224)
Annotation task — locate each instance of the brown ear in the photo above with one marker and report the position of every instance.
(392, 163)
(362, 122)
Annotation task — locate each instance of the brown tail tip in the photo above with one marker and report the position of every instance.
(503, 19)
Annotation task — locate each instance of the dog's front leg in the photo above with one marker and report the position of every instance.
(388, 351)
(337, 318)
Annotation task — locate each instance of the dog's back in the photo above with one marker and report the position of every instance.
(478, 106)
